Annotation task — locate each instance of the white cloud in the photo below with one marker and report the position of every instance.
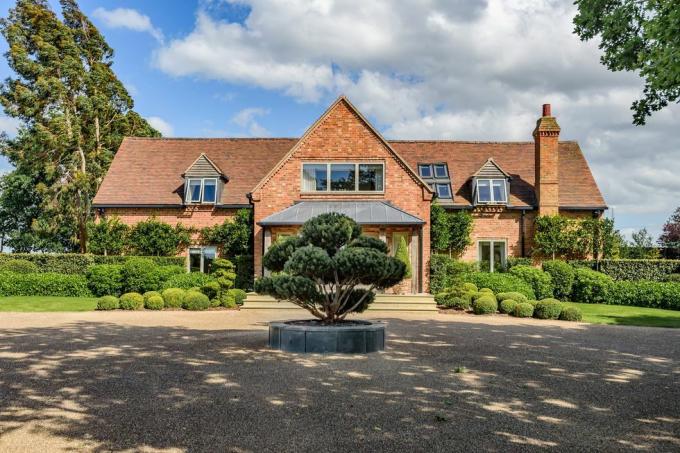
(246, 119)
(457, 69)
(9, 125)
(130, 19)
(161, 126)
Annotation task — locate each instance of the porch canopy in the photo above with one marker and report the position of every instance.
(362, 212)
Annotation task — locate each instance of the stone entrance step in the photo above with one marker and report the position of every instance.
(383, 302)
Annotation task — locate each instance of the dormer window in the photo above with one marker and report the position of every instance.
(201, 190)
(436, 175)
(491, 191)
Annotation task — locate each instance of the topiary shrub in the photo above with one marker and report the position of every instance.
(484, 306)
(486, 290)
(469, 287)
(107, 303)
(571, 314)
(523, 310)
(140, 275)
(105, 279)
(154, 302)
(211, 289)
(591, 287)
(239, 295)
(507, 306)
(131, 301)
(195, 300)
(562, 275)
(329, 251)
(501, 283)
(518, 297)
(187, 280)
(541, 282)
(173, 297)
(19, 266)
(453, 300)
(224, 272)
(532, 302)
(548, 309)
(151, 294)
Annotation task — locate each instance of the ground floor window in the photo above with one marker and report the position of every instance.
(201, 258)
(491, 255)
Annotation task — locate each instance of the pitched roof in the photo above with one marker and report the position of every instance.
(363, 212)
(148, 171)
(576, 182)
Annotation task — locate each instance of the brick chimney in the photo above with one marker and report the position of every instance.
(546, 137)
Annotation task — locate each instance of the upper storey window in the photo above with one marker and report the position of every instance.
(201, 190)
(491, 191)
(437, 176)
(343, 177)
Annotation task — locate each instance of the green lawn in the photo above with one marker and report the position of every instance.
(47, 303)
(628, 316)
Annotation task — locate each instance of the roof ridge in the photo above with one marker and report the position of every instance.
(479, 142)
(210, 138)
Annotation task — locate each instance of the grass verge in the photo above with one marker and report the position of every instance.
(628, 316)
(47, 303)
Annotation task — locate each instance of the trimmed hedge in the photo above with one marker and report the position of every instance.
(562, 275)
(195, 300)
(591, 287)
(174, 297)
(501, 283)
(645, 294)
(108, 303)
(187, 281)
(653, 270)
(446, 272)
(132, 301)
(140, 275)
(105, 279)
(76, 263)
(523, 310)
(541, 282)
(571, 314)
(47, 284)
(548, 309)
(19, 266)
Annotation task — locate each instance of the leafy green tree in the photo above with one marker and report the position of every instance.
(450, 231)
(670, 236)
(402, 255)
(329, 269)
(641, 246)
(234, 236)
(155, 238)
(641, 36)
(74, 111)
(108, 236)
(551, 236)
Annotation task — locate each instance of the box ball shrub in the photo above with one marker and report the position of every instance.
(195, 300)
(150, 294)
(485, 306)
(469, 287)
(211, 289)
(591, 287)
(140, 275)
(486, 290)
(571, 314)
(131, 301)
(562, 275)
(501, 283)
(173, 297)
(107, 303)
(105, 279)
(187, 280)
(507, 306)
(518, 297)
(154, 302)
(19, 266)
(548, 309)
(239, 295)
(541, 282)
(451, 300)
(523, 310)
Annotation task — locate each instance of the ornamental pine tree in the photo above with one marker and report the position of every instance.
(330, 269)
(403, 256)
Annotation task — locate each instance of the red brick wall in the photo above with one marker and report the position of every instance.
(341, 135)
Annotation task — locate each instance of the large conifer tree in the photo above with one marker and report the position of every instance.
(74, 112)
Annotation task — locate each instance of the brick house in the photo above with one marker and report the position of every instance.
(343, 164)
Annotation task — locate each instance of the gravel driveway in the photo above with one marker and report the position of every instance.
(178, 381)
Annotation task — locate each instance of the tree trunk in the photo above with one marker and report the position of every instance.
(82, 236)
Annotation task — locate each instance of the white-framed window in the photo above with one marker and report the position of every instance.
(491, 191)
(443, 190)
(201, 258)
(425, 170)
(441, 171)
(201, 190)
(491, 254)
(343, 177)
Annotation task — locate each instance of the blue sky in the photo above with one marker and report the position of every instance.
(456, 69)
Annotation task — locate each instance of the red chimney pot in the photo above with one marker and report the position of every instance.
(546, 110)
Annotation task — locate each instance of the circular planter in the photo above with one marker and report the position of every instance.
(357, 337)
